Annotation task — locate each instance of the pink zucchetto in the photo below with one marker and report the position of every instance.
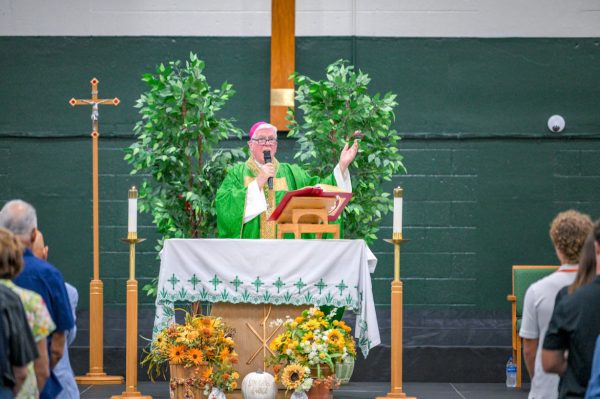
(261, 125)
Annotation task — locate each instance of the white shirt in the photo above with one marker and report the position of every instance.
(537, 311)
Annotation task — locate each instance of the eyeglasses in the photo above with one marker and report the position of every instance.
(265, 141)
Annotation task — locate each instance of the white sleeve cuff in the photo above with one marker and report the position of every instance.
(343, 181)
(255, 202)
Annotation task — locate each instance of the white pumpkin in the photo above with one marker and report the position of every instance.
(259, 385)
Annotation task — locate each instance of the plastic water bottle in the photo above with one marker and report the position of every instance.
(511, 373)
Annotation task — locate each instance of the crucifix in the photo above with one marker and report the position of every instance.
(283, 60)
(96, 375)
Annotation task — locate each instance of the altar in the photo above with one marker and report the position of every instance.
(270, 272)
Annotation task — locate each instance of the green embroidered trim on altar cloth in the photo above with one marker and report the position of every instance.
(259, 291)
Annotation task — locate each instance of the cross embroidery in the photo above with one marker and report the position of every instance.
(299, 284)
(236, 283)
(341, 286)
(278, 284)
(194, 280)
(173, 280)
(320, 285)
(257, 283)
(215, 281)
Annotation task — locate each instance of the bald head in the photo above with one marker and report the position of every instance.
(20, 218)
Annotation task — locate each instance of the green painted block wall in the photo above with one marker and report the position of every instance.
(485, 176)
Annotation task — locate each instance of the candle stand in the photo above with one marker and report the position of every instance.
(396, 305)
(131, 356)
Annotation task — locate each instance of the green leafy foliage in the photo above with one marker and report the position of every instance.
(332, 110)
(177, 148)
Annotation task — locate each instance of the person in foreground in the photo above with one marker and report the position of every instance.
(62, 370)
(17, 346)
(45, 279)
(40, 322)
(244, 199)
(575, 324)
(568, 233)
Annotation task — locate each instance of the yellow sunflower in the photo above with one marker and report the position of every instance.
(274, 345)
(311, 325)
(195, 356)
(292, 376)
(176, 355)
(334, 337)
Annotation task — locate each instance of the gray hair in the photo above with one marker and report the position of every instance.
(19, 217)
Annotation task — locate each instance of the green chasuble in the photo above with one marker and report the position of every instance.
(231, 198)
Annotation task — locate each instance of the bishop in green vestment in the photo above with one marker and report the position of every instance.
(244, 201)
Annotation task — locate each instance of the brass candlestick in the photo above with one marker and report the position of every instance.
(396, 302)
(131, 357)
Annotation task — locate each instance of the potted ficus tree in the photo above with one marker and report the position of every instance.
(335, 111)
(176, 149)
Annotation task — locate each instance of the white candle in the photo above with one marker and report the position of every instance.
(397, 227)
(132, 214)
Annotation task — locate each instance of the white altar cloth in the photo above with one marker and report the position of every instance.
(294, 272)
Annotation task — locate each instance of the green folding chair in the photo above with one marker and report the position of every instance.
(522, 277)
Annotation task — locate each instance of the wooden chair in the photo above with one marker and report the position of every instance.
(522, 277)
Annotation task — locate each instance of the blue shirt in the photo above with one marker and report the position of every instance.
(63, 369)
(45, 279)
(593, 389)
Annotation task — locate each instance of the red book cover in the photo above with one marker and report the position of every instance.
(339, 200)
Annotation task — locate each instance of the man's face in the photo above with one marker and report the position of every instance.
(263, 140)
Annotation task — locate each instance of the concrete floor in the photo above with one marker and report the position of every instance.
(353, 390)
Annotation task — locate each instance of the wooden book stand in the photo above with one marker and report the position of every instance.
(307, 215)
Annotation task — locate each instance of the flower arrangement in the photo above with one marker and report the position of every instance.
(203, 346)
(310, 344)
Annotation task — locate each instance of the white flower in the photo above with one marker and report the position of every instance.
(306, 384)
(276, 323)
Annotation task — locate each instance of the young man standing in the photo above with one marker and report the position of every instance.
(568, 232)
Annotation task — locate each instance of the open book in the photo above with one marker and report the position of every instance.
(335, 200)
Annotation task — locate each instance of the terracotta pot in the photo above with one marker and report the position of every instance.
(319, 391)
(183, 380)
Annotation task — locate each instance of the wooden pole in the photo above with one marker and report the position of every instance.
(396, 338)
(96, 375)
(283, 60)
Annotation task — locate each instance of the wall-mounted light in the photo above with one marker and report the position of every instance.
(556, 123)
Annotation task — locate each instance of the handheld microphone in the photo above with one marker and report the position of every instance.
(267, 156)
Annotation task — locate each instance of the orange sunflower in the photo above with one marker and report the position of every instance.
(195, 356)
(207, 373)
(177, 354)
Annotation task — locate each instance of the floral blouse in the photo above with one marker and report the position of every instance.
(41, 325)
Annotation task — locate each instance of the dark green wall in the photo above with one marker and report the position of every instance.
(485, 175)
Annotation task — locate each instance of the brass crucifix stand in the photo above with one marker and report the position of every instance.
(96, 375)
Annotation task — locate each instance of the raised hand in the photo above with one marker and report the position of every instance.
(347, 156)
